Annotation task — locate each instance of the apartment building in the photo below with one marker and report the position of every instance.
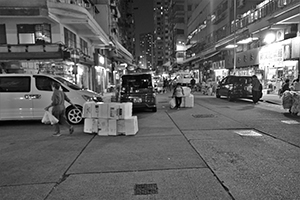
(63, 37)
(180, 13)
(245, 38)
(161, 32)
(146, 48)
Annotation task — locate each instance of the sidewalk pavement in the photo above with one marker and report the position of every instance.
(271, 98)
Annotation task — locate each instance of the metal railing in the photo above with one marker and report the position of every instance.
(268, 9)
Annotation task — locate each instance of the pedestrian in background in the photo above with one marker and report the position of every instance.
(296, 85)
(256, 89)
(59, 110)
(178, 93)
(193, 83)
(285, 87)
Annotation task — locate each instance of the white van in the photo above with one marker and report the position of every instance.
(24, 96)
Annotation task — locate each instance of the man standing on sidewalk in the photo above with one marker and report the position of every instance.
(256, 89)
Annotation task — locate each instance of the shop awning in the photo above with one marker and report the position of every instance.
(123, 54)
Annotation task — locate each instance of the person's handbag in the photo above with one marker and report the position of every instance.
(172, 103)
(48, 118)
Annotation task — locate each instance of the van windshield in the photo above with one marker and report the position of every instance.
(67, 83)
(136, 82)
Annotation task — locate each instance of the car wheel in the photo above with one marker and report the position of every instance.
(154, 109)
(74, 115)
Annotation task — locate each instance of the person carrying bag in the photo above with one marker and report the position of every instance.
(58, 110)
(178, 93)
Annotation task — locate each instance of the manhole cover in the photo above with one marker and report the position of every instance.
(145, 189)
(248, 133)
(290, 122)
(203, 116)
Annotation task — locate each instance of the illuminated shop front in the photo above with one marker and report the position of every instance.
(278, 64)
(220, 71)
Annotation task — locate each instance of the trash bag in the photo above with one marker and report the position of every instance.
(48, 118)
(172, 103)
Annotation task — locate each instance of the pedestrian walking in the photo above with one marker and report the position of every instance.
(178, 93)
(59, 110)
(256, 89)
(193, 83)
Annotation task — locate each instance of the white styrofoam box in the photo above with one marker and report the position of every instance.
(107, 126)
(186, 91)
(189, 101)
(125, 110)
(113, 110)
(103, 110)
(90, 125)
(90, 110)
(182, 105)
(128, 126)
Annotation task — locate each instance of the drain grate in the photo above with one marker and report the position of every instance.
(290, 121)
(248, 133)
(145, 189)
(204, 116)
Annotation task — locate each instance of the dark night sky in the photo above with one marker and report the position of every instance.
(143, 12)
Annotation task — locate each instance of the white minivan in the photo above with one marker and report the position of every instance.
(24, 96)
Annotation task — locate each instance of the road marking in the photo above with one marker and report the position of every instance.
(248, 133)
(290, 121)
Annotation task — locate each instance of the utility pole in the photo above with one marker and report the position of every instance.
(234, 40)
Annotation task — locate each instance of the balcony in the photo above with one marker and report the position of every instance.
(78, 14)
(273, 12)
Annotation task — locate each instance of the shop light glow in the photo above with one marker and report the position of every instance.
(270, 38)
(247, 40)
(231, 46)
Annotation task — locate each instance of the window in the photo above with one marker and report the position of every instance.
(70, 38)
(84, 46)
(44, 83)
(15, 84)
(2, 34)
(34, 33)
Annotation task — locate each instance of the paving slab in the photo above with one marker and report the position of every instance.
(258, 167)
(35, 156)
(201, 118)
(25, 192)
(123, 153)
(187, 184)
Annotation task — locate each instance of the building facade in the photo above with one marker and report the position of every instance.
(245, 38)
(161, 33)
(146, 48)
(62, 37)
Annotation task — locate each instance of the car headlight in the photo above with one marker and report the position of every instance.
(87, 98)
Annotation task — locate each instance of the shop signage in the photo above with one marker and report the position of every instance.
(296, 47)
(218, 65)
(247, 58)
(271, 54)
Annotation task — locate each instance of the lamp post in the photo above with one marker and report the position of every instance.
(234, 35)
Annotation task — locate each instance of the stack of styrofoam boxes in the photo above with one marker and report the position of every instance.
(109, 119)
(188, 99)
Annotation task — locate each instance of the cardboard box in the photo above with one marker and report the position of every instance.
(128, 126)
(90, 110)
(90, 125)
(107, 127)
